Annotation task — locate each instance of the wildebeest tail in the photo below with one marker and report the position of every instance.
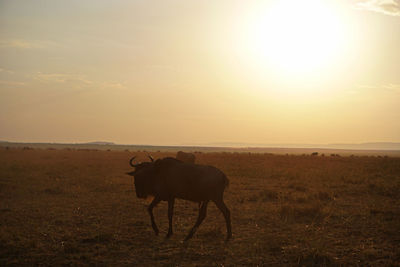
(226, 181)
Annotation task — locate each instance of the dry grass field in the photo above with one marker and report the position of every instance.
(78, 207)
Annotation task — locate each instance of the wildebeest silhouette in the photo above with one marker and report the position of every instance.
(169, 178)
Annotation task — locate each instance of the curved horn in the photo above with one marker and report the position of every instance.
(151, 158)
(130, 162)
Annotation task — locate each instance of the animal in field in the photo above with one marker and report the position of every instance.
(314, 154)
(168, 179)
(185, 157)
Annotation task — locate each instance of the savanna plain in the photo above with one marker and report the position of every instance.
(78, 207)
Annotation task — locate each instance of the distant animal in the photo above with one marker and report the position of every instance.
(314, 154)
(168, 178)
(185, 157)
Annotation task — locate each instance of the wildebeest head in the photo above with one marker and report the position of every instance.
(144, 175)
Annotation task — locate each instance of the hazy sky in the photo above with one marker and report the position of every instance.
(178, 72)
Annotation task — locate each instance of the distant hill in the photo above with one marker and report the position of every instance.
(368, 146)
(361, 146)
(99, 143)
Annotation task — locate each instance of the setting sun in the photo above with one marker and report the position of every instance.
(295, 37)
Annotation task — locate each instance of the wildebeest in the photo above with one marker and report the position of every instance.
(185, 157)
(169, 178)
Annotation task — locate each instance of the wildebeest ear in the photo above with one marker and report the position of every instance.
(131, 173)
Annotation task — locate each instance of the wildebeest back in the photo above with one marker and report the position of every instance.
(189, 181)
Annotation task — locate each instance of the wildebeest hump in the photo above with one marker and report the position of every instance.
(185, 157)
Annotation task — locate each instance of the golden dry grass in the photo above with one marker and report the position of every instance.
(66, 207)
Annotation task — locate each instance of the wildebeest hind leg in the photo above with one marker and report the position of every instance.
(171, 203)
(202, 215)
(227, 214)
(150, 210)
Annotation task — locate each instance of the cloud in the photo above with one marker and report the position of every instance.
(75, 80)
(61, 78)
(113, 85)
(9, 79)
(12, 83)
(26, 44)
(388, 7)
(389, 87)
(15, 44)
(6, 71)
(392, 87)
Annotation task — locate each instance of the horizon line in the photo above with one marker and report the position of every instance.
(238, 145)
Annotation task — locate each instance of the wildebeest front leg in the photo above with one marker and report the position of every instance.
(171, 203)
(150, 210)
(202, 215)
